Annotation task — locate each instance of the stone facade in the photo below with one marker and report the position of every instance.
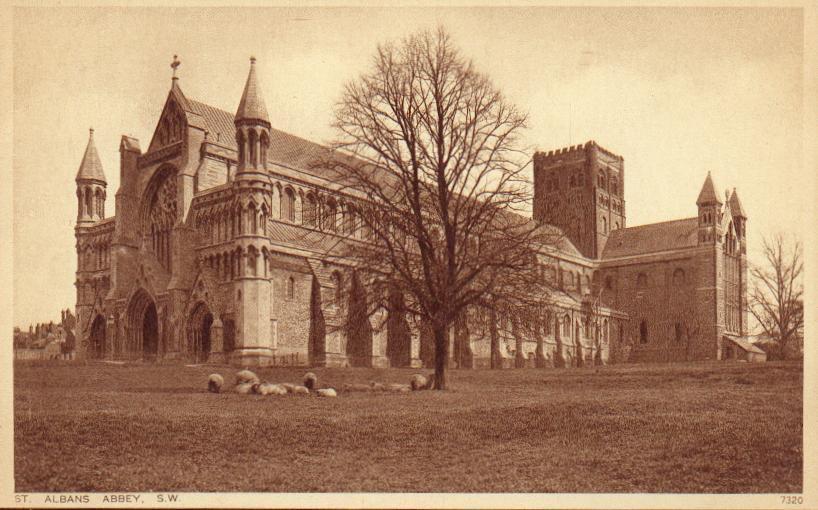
(682, 283)
(217, 252)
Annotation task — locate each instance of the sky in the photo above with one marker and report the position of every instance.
(677, 92)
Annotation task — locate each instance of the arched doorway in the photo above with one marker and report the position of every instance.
(198, 333)
(142, 327)
(96, 344)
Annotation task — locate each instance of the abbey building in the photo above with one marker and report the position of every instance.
(217, 253)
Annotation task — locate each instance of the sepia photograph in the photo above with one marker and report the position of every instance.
(531, 256)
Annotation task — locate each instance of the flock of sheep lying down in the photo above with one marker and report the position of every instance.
(248, 383)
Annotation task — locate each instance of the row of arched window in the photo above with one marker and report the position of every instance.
(95, 257)
(252, 147)
(90, 202)
(679, 332)
(323, 214)
(248, 219)
(604, 183)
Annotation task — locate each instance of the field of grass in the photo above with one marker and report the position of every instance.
(717, 428)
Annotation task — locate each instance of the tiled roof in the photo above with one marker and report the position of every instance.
(301, 237)
(286, 149)
(91, 166)
(668, 235)
(744, 344)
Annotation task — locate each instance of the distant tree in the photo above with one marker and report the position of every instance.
(446, 176)
(776, 297)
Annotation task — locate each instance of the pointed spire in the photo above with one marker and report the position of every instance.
(735, 205)
(91, 166)
(251, 106)
(708, 193)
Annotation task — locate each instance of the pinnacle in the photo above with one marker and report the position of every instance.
(735, 205)
(91, 166)
(251, 106)
(708, 193)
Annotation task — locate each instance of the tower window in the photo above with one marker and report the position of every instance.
(291, 288)
(678, 276)
(641, 280)
(604, 225)
(678, 331)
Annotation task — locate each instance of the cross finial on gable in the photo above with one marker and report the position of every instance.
(176, 63)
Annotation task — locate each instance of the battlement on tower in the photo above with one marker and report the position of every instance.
(580, 151)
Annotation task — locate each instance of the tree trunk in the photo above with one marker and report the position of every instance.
(539, 355)
(441, 356)
(519, 355)
(496, 361)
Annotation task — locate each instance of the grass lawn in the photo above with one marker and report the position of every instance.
(721, 428)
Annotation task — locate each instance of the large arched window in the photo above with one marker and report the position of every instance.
(290, 288)
(604, 225)
(678, 276)
(288, 205)
(310, 210)
(161, 214)
(601, 180)
(566, 326)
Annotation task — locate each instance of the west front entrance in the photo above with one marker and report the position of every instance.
(198, 333)
(142, 328)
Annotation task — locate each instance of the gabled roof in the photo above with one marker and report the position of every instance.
(735, 205)
(285, 149)
(91, 166)
(744, 344)
(708, 193)
(656, 237)
(251, 106)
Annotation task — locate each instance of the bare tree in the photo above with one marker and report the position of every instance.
(444, 180)
(776, 298)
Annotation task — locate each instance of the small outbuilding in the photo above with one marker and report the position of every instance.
(738, 348)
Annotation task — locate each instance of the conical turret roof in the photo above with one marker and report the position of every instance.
(735, 205)
(708, 193)
(251, 106)
(91, 166)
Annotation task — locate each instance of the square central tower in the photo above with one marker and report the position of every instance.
(581, 190)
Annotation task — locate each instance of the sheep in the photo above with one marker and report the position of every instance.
(418, 382)
(269, 389)
(376, 386)
(357, 387)
(290, 387)
(300, 390)
(398, 388)
(244, 388)
(246, 376)
(310, 381)
(327, 392)
(215, 383)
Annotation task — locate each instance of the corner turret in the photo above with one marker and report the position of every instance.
(709, 212)
(91, 186)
